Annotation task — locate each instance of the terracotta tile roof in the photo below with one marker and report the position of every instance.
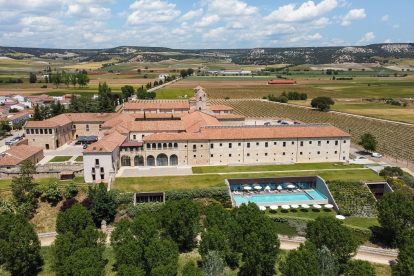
(90, 117)
(41, 124)
(253, 132)
(18, 115)
(61, 119)
(220, 107)
(123, 117)
(119, 128)
(199, 87)
(157, 115)
(18, 154)
(229, 116)
(107, 143)
(197, 119)
(157, 105)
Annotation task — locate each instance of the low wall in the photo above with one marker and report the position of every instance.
(323, 188)
(38, 175)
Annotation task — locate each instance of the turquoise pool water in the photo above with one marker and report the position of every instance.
(279, 198)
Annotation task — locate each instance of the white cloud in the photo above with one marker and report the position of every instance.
(191, 14)
(385, 18)
(316, 36)
(367, 38)
(123, 14)
(88, 12)
(396, 26)
(344, 3)
(149, 11)
(96, 38)
(217, 34)
(230, 8)
(307, 11)
(207, 21)
(388, 41)
(354, 14)
(39, 20)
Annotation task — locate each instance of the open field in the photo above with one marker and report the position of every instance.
(393, 139)
(148, 184)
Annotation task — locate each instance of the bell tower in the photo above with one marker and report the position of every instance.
(200, 99)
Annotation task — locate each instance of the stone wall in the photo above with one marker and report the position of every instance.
(323, 188)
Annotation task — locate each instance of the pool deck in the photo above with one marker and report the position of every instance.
(278, 203)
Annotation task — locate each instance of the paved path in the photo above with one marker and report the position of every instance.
(153, 171)
(371, 254)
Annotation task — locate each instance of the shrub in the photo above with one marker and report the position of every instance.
(67, 204)
(408, 179)
(5, 207)
(298, 224)
(196, 193)
(391, 171)
(134, 211)
(53, 192)
(71, 190)
(87, 203)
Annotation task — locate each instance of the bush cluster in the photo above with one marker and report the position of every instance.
(196, 193)
(134, 211)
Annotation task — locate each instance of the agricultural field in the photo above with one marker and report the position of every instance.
(394, 139)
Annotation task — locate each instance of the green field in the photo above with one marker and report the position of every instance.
(151, 184)
(43, 181)
(261, 168)
(79, 158)
(60, 159)
(174, 93)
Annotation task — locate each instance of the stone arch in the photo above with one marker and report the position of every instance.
(138, 160)
(162, 160)
(125, 161)
(150, 160)
(173, 160)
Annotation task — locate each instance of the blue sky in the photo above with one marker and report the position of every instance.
(203, 24)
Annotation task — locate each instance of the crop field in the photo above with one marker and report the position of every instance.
(395, 140)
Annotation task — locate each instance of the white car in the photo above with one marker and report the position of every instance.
(376, 154)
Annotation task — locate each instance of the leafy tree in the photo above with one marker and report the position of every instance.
(67, 204)
(130, 270)
(6, 207)
(85, 261)
(328, 262)
(214, 264)
(53, 192)
(368, 142)
(330, 232)
(19, 246)
(71, 190)
(180, 221)
(406, 239)
(45, 112)
(37, 116)
(32, 78)
(73, 80)
(162, 257)
(56, 109)
(183, 73)
(395, 214)
(5, 126)
(302, 261)
(104, 99)
(191, 269)
(139, 71)
(104, 204)
(190, 71)
(66, 79)
(128, 91)
(405, 262)
(322, 103)
(391, 172)
(358, 268)
(74, 220)
(22, 186)
(56, 79)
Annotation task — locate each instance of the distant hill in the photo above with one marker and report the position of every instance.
(259, 56)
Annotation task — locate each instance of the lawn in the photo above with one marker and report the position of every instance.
(79, 158)
(162, 183)
(260, 168)
(60, 159)
(43, 181)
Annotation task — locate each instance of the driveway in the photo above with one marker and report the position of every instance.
(65, 150)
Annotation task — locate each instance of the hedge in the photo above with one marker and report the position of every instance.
(133, 211)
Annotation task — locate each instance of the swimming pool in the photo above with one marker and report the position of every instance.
(268, 198)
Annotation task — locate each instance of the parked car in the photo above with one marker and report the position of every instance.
(267, 124)
(296, 123)
(12, 141)
(85, 146)
(376, 154)
(362, 158)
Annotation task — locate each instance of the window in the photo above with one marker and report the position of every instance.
(194, 156)
(344, 141)
(266, 144)
(319, 143)
(327, 142)
(41, 131)
(336, 152)
(175, 145)
(93, 170)
(229, 154)
(336, 143)
(28, 131)
(164, 145)
(257, 143)
(100, 127)
(154, 145)
(248, 145)
(37, 131)
(284, 153)
(201, 145)
(194, 147)
(284, 144)
(343, 158)
(148, 146)
(230, 145)
(159, 145)
(319, 152)
(239, 144)
(310, 142)
(221, 144)
(93, 177)
(301, 143)
(248, 154)
(274, 143)
(102, 169)
(211, 146)
(301, 153)
(134, 137)
(50, 131)
(87, 127)
(266, 154)
(170, 145)
(293, 143)
(102, 176)
(211, 155)
(96, 162)
(32, 131)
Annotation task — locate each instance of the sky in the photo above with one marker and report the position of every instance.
(206, 24)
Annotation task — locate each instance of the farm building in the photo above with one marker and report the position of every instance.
(280, 82)
(16, 155)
